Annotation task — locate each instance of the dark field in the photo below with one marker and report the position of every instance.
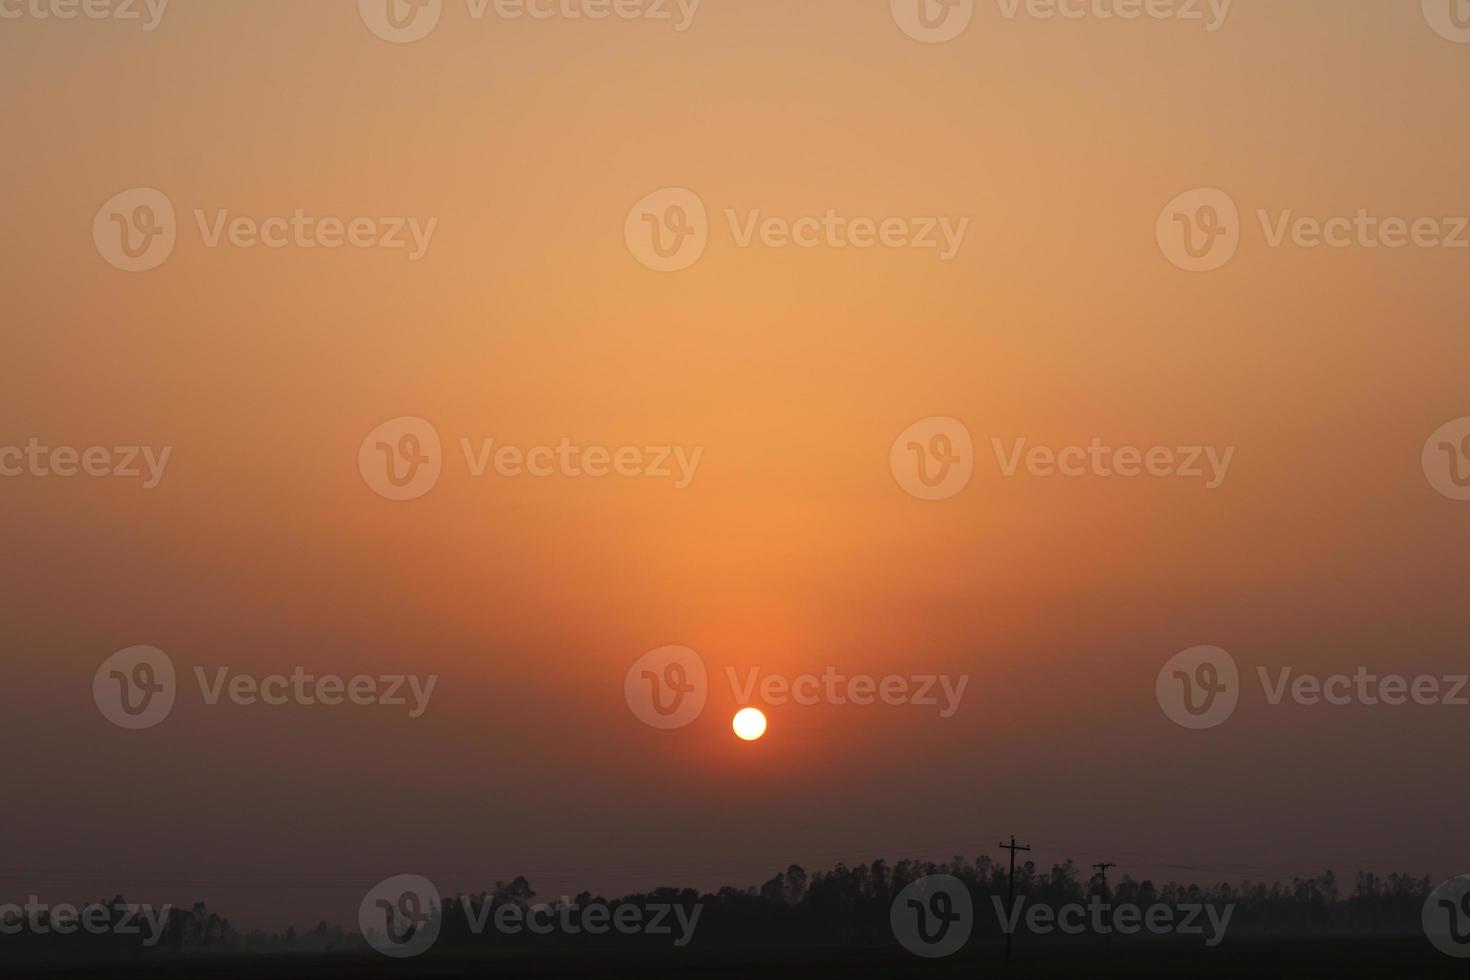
(1336, 958)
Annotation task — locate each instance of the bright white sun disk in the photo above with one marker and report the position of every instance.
(749, 724)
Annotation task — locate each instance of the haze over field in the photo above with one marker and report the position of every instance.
(763, 388)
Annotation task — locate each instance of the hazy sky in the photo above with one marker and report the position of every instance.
(529, 320)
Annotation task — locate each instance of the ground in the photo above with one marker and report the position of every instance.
(1340, 959)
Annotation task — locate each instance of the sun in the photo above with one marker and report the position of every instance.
(749, 724)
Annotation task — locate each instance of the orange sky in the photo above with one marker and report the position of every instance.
(794, 548)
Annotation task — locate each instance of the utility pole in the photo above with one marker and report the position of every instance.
(1013, 847)
(1102, 876)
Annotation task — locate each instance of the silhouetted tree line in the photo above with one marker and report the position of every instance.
(852, 905)
(842, 906)
(117, 931)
